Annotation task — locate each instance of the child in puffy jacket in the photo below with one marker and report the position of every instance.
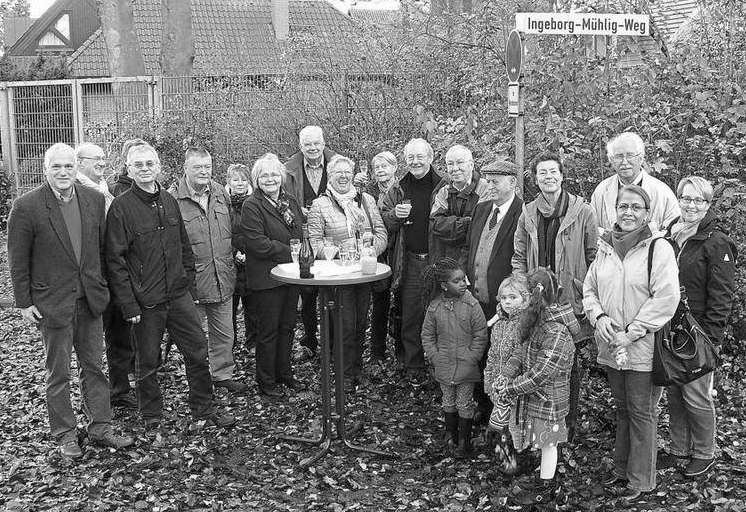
(454, 336)
(537, 376)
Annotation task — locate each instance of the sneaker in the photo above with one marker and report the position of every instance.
(70, 450)
(542, 491)
(125, 401)
(698, 467)
(152, 428)
(292, 383)
(271, 392)
(632, 495)
(416, 379)
(220, 420)
(614, 480)
(303, 354)
(231, 385)
(666, 460)
(110, 440)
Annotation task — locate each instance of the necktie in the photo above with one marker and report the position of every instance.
(493, 219)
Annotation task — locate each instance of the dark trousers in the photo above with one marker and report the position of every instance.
(182, 320)
(84, 334)
(484, 403)
(310, 319)
(275, 310)
(379, 322)
(354, 301)
(412, 314)
(572, 416)
(250, 322)
(120, 354)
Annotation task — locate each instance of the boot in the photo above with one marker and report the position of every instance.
(543, 491)
(464, 438)
(451, 438)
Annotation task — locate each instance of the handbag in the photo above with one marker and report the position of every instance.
(682, 351)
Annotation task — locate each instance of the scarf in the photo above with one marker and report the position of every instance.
(353, 214)
(101, 187)
(282, 205)
(623, 241)
(683, 231)
(237, 202)
(549, 220)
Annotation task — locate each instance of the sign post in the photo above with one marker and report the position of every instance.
(513, 65)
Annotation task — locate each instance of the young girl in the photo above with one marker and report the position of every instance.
(537, 376)
(512, 296)
(454, 336)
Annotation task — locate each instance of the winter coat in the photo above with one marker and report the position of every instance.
(397, 242)
(451, 215)
(707, 267)
(210, 233)
(664, 207)
(237, 244)
(454, 336)
(503, 343)
(620, 289)
(326, 218)
(295, 170)
(574, 249)
(374, 190)
(122, 184)
(266, 237)
(539, 371)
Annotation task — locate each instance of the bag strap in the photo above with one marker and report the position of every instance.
(682, 289)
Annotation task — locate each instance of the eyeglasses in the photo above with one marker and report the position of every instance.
(699, 201)
(96, 158)
(457, 163)
(636, 208)
(141, 165)
(626, 156)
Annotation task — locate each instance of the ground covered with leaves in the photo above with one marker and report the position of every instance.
(249, 467)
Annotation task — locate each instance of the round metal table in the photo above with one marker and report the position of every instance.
(329, 298)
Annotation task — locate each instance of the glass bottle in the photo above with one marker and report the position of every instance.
(305, 256)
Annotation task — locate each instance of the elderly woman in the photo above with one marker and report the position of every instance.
(384, 167)
(707, 266)
(343, 214)
(238, 186)
(270, 218)
(626, 309)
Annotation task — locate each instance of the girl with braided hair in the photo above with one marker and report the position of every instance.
(537, 377)
(454, 337)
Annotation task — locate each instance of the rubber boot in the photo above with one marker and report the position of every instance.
(451, 438)
(464, 438)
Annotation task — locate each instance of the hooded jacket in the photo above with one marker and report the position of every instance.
(539, 369)
(620, 289)
(503, 342)
(707, 269)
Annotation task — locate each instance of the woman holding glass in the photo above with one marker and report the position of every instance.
(342, 215)
(626, 308)
(270, 218)
(707, 270)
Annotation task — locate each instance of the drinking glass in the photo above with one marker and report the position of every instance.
(407, 222)
(330, 248)
(294, 249)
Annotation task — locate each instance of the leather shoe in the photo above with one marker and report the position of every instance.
(698, 467)
(70, 450)
(292, 383)
(303, 354)
(613, 479)
(110, 440)
(231, 385)
(272, 392)
(125, 401)
(220, 420)
(632, 495)
(665, 460)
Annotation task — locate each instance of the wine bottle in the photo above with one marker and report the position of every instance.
(305, 256)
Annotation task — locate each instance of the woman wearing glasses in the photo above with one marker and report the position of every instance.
(626, 308)
(707, 266)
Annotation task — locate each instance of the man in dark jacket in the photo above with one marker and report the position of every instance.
(55, 251)
(151, 268)
(306, 180)
(489, 248)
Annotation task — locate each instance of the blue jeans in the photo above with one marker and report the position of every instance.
(220, 336)
(692, 414)
(181, 319)
(85, 334)
(635, 449)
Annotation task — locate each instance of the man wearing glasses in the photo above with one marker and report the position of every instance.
(151, 270)
(626, 153)
(91, 167)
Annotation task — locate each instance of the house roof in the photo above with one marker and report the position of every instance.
(670, 15)
(376, 16)
(39, 27)
(230, 36)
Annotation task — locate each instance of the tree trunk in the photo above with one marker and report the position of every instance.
(177, 43)
(118, 25)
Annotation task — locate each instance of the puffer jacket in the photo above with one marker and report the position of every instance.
(574, 249)
(241, 287)
(539, 370)
(326, 218)
(707, 269)
(620, 289)
(503, 343)
(210, 233)
(454, 336)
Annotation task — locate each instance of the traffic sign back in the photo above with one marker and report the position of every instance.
(514, 56)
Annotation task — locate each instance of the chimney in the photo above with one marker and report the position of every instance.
(281, 19)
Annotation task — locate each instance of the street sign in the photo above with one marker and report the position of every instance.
(565, 23)
(514, 56)
(514, 100)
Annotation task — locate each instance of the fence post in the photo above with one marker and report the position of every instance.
(155, 101)
(6, 129)
(78, 119)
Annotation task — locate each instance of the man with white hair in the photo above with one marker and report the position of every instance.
(91, 167)
(55, 251)
(626, 153)
(306, 180)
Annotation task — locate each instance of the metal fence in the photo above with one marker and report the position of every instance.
(240, 117)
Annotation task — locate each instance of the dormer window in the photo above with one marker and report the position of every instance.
(59, 35)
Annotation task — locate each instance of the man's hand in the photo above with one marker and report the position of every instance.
(304, 211)
(240, 258)
(134, 319)
(31, 314)
(402, 210)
